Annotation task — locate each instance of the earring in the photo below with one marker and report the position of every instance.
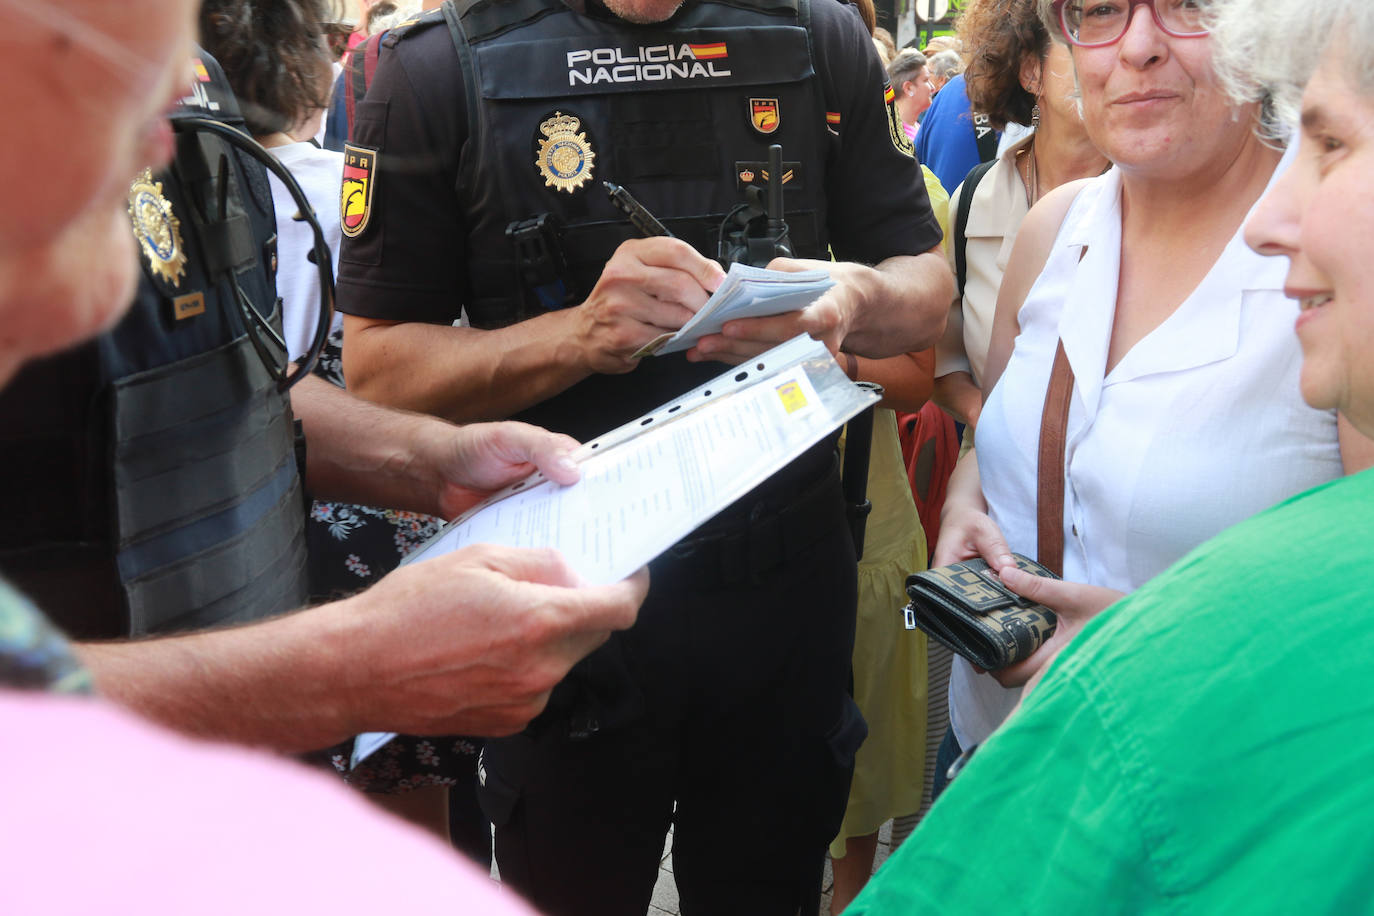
(1035, 116)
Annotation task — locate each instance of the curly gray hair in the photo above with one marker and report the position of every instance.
(945, 64)
(1271, 48)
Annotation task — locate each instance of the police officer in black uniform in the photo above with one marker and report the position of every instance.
(154, 486)
(159, 482)
(473, 181)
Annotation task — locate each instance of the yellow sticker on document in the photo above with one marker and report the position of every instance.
(792, 396)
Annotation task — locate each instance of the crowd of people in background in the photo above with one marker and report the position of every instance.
(1151, 211)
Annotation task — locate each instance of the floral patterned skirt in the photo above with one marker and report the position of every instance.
(350, 548)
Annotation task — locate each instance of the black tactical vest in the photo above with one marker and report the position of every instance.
(151, 475)
(682, 114)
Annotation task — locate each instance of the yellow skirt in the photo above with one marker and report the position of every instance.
(889, 660)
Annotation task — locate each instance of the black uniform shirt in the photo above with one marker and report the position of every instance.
(408, 266)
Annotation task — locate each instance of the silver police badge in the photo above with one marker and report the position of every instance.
(565, 157)
(157, 229)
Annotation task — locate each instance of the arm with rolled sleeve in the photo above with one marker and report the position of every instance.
(401, 284)
(880, 213)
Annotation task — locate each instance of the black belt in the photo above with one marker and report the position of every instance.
(762, 538)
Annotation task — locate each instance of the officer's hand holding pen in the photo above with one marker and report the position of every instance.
(746, 338)
(649, 287)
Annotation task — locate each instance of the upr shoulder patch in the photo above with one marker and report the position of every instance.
(764, 115)
(355, 195)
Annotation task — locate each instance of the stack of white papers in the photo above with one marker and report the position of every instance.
(649, 483)
(746, 292)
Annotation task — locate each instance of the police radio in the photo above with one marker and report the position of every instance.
(755, 232)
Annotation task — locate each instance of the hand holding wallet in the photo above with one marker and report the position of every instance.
(966, 607)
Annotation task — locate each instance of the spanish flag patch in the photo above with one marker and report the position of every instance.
(709, 51)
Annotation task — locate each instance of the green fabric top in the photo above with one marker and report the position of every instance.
(33, 654)
(1206, 745)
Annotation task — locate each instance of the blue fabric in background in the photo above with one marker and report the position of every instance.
(336, 122)
(946, 142)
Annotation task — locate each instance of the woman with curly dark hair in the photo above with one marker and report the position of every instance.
(1015, 75)
(277, 60)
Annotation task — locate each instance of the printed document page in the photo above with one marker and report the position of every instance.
(638, 498)
(651, 482)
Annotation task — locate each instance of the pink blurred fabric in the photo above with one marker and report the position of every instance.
(102, 812)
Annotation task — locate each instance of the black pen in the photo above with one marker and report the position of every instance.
(647, 224)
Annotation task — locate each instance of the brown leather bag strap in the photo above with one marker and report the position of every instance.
(1049, 507)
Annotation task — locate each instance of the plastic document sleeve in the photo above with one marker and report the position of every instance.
(650, 483)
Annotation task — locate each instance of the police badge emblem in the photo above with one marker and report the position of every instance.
(355, 194)
(565, 157)
(895, 128)
(764, 115)
(157, 228)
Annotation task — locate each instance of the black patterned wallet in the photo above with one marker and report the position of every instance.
(967, 608)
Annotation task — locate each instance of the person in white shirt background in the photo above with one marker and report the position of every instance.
(1184, 416)
(281, 71)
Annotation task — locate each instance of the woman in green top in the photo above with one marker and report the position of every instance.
(1207, 744)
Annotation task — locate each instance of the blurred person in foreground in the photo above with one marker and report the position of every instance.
(468, 643)
(1205, 744)
(148, 820)
(1135, 295)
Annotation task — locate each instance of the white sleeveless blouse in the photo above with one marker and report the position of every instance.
(1199, 426)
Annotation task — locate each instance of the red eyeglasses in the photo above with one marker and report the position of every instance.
(1095, 23)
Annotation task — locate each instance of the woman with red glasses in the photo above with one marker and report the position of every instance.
(1167, 341)
(1206, 745)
